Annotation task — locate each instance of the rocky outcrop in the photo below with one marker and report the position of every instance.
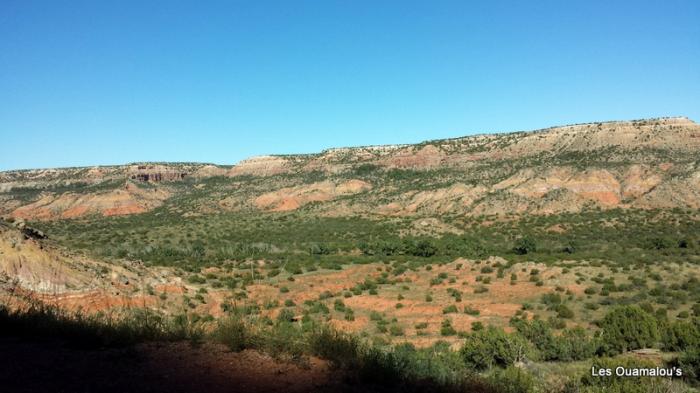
(129, 200)
(639, 164)
(261, 166)
(156, 173)
(456, 198)
(292, 198)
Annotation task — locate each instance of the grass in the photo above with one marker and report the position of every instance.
(97, 330)
(399, 367)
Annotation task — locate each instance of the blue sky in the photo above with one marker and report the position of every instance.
(100, 82)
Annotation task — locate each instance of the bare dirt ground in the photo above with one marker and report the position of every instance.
(50, 366)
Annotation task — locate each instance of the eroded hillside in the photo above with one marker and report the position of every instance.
(635, 164)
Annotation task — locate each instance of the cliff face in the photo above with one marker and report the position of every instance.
(633, 164)
(156, 173)
(645, 137)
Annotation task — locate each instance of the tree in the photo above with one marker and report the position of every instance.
(681, 335)
(422, 248)
(627, 328)
(319, 249)
(689, 362)
(484, 349)
(524, 245)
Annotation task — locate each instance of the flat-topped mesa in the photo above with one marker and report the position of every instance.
(155, 173)
(671, 133)
(260, 166)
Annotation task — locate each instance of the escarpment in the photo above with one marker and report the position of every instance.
(640, 164)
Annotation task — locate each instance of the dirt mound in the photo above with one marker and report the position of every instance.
(129, 200)
(26, 263)
(456, 198)
(597, 185)
(292, 198)
(36, 269)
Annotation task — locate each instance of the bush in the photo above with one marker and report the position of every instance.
(319, 249)
(480, 289)
(396, 330)
(471, 311)
(446, 328)
(349, 314)
(573, 344)
(564, 312)
(233, 333)
(285, 315)
(512, 380)
(524, 245)
(627, 328)
(622, 384)
(493, 347)
(681, 335)
(450, 309)
(689, 362)
(423, 248)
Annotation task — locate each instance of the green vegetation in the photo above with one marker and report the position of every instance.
(296, 240)
(98, 330)
(592, 285)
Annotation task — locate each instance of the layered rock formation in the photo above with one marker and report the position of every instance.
(634, 164)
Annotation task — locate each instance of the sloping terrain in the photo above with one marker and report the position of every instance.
(428, 258)
(639, 164)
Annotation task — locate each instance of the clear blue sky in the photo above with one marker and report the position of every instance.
(108, 82)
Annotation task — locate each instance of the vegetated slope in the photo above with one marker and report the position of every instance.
(639, 164)
(34, 267)
(429, 253)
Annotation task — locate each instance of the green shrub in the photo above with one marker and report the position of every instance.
(446, 328)
(512, 380)
(493, 347)
(564, 312)
(233, 333)
(349, 314)
(481, 289)
(524, 245)
(471, 311)
(689, 362)
(622, 384)
(396, 330)
(285, 315)
(450, 309)
(627, 328)
(681, 335)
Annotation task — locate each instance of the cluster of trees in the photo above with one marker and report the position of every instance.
(623, 329)
(415, 247)
(572, 344)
